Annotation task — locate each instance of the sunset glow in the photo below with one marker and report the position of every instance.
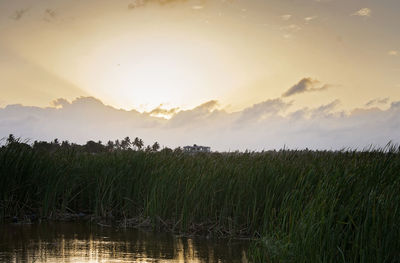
(244, 130)
(162, 58)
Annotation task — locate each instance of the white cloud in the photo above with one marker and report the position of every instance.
(197, 7)
(266, 125)
(286, 17)
(365, 12)
(310, 18)
(289, 31)
(291, 28)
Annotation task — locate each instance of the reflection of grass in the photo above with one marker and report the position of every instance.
(306, 206)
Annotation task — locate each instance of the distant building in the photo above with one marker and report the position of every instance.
(196, 149)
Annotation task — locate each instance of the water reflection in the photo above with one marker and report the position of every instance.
(72, 242)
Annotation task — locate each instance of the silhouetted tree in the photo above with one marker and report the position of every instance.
(110, 146)
(126, 143)
(90, 146)
(11, 139)
(178, 150)
(117, 144)
(44, 146)
(138, 143)
(166, 150)
(94, 147)
(155, 147)
(55, 142)
(65, 144)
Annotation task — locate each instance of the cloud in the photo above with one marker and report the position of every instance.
(305, 85)
(269, 124)
(365, 12)
(195, 116)
(140, 3)
(291, 28)
(310, 18)
(136, 4)
(324, 110)
(50, 13)
(393, 53)
(162, 112)
(209, 105)
(375, 102)
(18, 14)
(286, 17)
(60, 103)
(197, 7)
(263, 110)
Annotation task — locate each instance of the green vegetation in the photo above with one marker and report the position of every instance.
(301, 206)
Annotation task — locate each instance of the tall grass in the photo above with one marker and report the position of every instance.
(304, 206)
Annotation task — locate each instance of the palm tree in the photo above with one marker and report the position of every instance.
(141, 144)
(125, 143)
(11, 139)
(56, 142)
(155, 147)
(138, 143)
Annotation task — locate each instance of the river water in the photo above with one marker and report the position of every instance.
(77, 242)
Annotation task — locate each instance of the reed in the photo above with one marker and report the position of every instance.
(300, 206)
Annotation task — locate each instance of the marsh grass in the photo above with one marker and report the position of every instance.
(302, 206)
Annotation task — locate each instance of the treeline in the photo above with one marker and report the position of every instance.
(91, 146)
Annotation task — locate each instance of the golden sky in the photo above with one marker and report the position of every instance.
(137, 54)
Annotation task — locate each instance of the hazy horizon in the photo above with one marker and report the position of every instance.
(271, 124)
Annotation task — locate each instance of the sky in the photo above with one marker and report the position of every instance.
(230, 74)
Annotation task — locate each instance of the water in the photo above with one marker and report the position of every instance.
(76, 242)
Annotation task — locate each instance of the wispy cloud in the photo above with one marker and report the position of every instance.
(291, 28)
(136, 4)
(305, 85)
(49, 15)
(310, 18)
(197, 7)
(140, 3)
(365, 12)
(286, 17)
(376, 102)
(393, 53)
(18, 14)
